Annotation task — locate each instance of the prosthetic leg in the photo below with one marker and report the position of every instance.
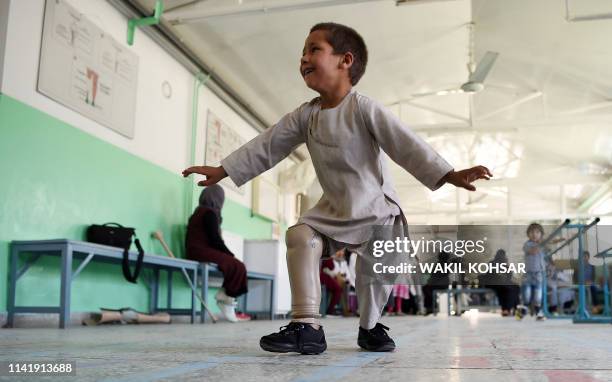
(304, 250)
(304, 334)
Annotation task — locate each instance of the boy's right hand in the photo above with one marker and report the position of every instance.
(213, 174)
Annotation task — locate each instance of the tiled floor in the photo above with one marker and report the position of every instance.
(478, 348)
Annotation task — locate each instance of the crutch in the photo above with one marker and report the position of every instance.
(158, 235)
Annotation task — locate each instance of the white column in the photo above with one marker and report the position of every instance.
(509, 205)
(562, 201)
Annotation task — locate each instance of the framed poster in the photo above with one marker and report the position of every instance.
(266, 198)
(221, 140)
(85, 69)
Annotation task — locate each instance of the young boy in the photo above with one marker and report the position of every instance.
(534, 271)
(344, 132)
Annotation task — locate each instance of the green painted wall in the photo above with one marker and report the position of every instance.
(55, 180)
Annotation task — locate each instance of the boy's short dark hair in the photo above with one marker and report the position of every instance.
(345, 39)
(535, 227)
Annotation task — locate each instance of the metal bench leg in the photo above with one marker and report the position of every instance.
(204, 293)
(272, 285)
(323, 304)
(154, 291)
(245, 301)
(66, 280)
(434, 302)
(12, 287)
(169, 289)
(193, 295)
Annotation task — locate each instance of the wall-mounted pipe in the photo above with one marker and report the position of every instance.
(245, 10)
(180, 52)
(200, 79)
(152, 20)
(600, 16)
(167, 40)
(415, 2)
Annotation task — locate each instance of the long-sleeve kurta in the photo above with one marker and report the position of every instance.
(345, 145)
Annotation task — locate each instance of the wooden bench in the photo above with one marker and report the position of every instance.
(71, 251)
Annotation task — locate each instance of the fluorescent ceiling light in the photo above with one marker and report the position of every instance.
(413, 2)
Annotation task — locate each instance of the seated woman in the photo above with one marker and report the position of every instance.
(205, 244)
(506, 290)
(335, 275)
(437, 280)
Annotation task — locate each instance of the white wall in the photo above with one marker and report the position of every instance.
(162, 126)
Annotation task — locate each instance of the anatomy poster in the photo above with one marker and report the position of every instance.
(221, 140)
(87, 70)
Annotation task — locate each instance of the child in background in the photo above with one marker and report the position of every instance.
(400, 292)
(535, 268)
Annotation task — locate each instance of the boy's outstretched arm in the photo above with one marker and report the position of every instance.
(412, 153)
(464, 178)
(213, 174)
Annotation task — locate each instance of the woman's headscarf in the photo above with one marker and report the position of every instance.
(500, 257)
(213, 197)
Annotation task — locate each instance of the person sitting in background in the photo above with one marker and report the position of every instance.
(205, 244)
(351, 259)
(506, 290)
(559, 283)
(589, 280)
(437, 280)
(335, 275)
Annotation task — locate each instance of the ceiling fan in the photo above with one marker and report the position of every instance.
(475, 82)
(478, 73)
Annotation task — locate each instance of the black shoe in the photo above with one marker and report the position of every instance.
(295, 337)
(375, 339)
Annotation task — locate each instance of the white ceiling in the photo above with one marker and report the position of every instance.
(543, 121)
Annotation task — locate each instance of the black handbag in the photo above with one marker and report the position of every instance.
(116, 235)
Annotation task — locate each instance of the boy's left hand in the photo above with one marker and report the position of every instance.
(464, 178)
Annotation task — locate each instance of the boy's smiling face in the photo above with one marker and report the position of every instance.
(321, 69)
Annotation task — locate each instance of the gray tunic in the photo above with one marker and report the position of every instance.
(345, 145)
